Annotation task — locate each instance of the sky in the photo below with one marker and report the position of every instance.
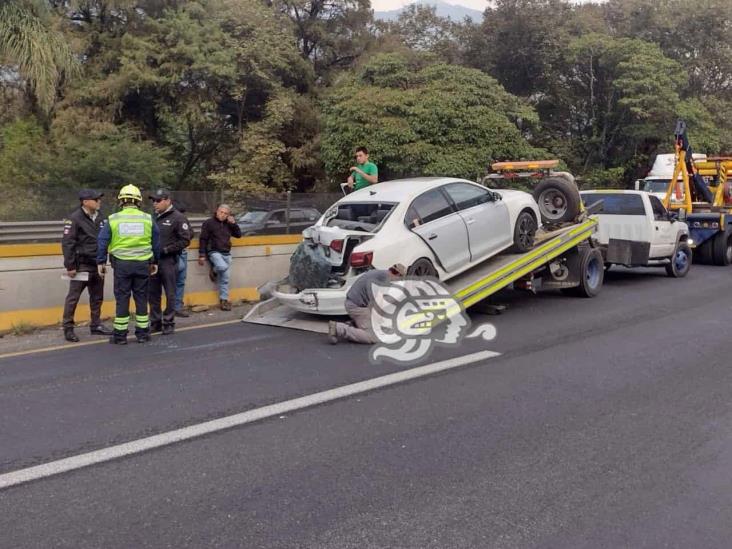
(388, 5)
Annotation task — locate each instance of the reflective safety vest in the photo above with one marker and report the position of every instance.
(131, 235)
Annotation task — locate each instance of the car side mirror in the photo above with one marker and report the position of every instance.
(673, 217)
(496, 197)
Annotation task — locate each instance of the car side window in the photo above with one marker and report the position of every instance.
(659, 212)
(430, 206)
(278, 217)
(297, 216)
(312, 215)
(466, 196)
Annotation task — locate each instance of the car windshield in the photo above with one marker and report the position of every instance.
(616, 203)
(252, 217)
(366, 217)
(656, 185)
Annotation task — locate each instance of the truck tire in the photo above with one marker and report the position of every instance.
(524, 232)
(722, 249)
(558, 199)
(703, 254)
(680, 261)
(591, 275)
(423, 267)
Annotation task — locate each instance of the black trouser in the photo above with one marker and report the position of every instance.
(95, 286)
(166, 279)
(131, 278)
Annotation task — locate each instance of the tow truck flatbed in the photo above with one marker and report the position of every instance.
(478, 283)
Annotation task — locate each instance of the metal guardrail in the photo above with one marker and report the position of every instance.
(50, 231)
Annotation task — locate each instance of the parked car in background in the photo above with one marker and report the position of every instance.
(636, 230)
(275, 221)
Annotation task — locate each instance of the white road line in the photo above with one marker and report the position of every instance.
(22, 476)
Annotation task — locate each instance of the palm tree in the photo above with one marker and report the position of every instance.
(29, 43)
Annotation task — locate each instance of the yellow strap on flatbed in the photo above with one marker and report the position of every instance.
(526, 263)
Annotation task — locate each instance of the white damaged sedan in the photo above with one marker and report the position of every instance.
(436, 226)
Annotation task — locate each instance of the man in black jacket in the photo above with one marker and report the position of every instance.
(215, 242)
(79, 245)
(175, 236)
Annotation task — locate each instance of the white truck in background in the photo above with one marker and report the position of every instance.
(636, 230)
(657, 180)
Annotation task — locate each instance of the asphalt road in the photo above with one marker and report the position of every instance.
(603, 423)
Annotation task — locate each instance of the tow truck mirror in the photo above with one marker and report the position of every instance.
(681, 216)
(638, 184)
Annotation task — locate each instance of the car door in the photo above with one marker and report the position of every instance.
(663, 238)
(433, 218)
(485, 216)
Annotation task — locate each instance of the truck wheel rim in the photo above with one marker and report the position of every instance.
(593, 273)
(681, 261)
(552, 204)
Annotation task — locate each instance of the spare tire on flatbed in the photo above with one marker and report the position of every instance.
(558, 199)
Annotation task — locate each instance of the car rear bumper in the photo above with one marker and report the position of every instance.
(329, 302)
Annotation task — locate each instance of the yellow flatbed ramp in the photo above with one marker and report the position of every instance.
(469, 288)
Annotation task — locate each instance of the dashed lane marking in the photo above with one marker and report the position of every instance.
(29, 474)
(106, 340)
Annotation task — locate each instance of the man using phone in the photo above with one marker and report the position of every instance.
(215, 243)
(364, 173)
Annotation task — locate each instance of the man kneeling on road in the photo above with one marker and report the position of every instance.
(358, 306)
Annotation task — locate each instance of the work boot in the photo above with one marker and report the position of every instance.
(142, 337)
(156, 327)
(69, 335)
(332, 332)
(225, 305)
(101, 330)
(118, 338)
(168, 329)
(182, 313)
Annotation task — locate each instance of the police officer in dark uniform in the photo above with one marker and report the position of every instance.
(175, 236)
(79, 245)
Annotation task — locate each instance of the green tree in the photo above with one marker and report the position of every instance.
(419, 119)
(30, 42)
(332, 34)
(520, 43)
(420, 29)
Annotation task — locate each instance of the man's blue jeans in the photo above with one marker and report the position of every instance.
(222, 265)
(180, 282)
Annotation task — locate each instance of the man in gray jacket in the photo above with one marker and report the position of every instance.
(358, 306)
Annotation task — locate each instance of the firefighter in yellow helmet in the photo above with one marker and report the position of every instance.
(131, 239)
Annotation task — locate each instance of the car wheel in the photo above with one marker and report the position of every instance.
(591, 275)
(558, 200)
(680, 261)
(524, 232)
(722, 249)
(422, 268)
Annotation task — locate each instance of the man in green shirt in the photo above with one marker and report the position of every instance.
(365, 173)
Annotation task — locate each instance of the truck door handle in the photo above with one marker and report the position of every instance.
(432, 236)
(657, 228)
(470, 221)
